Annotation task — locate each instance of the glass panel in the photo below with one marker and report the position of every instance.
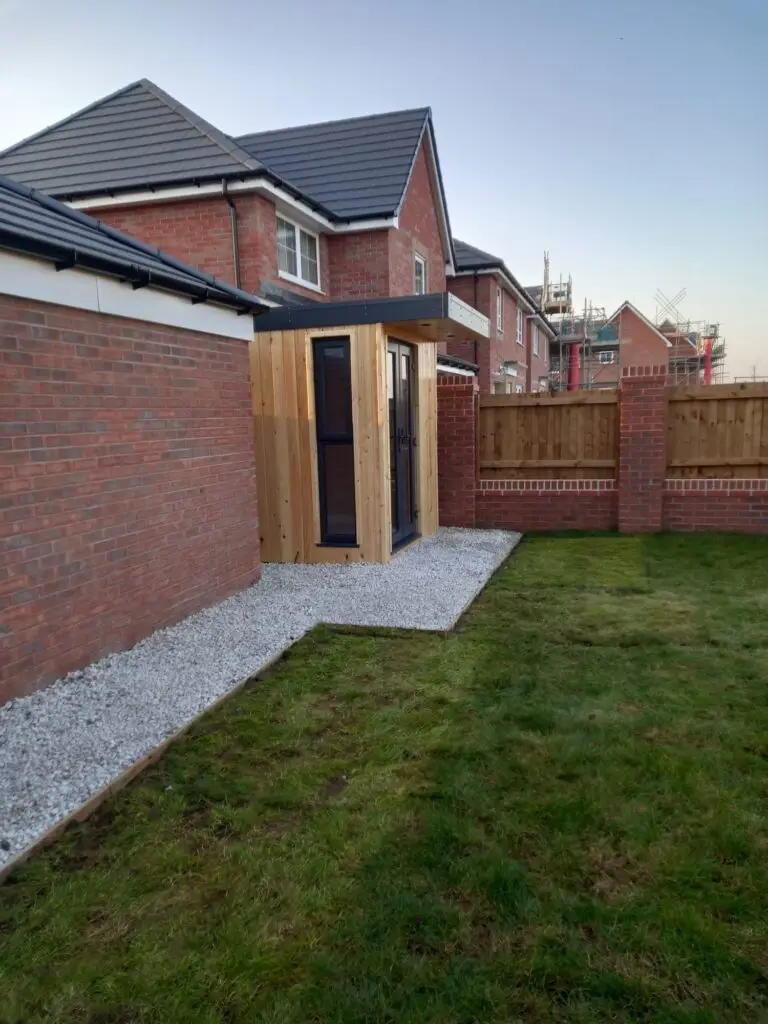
(391, 364)
(286, 246)
(308, 257)
(336, 411)
(419, 275)
(340, 490)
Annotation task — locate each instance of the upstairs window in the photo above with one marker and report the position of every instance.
(535, 340)
(519, 331)
(606, 356)
(297, 257)
(499, 310)
(419, 275)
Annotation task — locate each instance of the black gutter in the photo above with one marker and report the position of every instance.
(199, 284)
(454, 361)
(433, 306)
(235, 235)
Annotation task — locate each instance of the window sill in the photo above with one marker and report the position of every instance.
(337, 544)
(285, 276)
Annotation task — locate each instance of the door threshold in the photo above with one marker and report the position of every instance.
(404, 543)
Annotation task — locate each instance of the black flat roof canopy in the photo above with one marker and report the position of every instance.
(439, 316)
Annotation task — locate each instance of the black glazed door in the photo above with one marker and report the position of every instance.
(401, 366)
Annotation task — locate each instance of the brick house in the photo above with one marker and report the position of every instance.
(517, 359)
(126, 440)
(343, 210)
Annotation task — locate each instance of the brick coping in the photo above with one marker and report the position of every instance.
(717, 485)
(546, 486)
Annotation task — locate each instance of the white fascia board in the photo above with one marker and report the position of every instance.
(442, 214)
(539, 319)
(283, 200)
(27, 278)
(462, 313)
(509, 285)
(458, 370)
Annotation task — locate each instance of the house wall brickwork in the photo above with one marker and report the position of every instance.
(128, 494)
(418, 231)
(354, 265)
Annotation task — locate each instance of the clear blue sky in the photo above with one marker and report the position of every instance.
(629, 138)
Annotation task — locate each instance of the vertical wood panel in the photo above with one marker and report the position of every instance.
(717, 431)
(528, 435)
(426, 451)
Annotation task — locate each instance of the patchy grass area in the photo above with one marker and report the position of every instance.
(558, 813)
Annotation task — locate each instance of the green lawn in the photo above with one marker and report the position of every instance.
(557, 813)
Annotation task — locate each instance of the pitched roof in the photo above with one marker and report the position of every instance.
(628, 305)
(358, 167)
(469, 257)
(138, 136)
(36, 225)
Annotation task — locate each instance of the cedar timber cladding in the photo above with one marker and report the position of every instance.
(282, 386)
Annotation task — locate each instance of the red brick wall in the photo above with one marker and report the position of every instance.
(456, 450)
(199, 231)
(529, 505)
(128, 484)
(502, 345)
(359, 265)
(418, 232)
(642, 447)
(639, 346)
(739, 506)
(538, 366)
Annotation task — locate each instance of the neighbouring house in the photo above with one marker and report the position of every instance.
(349, 209)
(592, 353)
(517, 358)
(128, 495)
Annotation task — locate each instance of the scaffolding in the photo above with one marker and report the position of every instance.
(697, 355)
(587, 351)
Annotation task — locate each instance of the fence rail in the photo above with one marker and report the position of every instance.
(570, 435)
(718, 431)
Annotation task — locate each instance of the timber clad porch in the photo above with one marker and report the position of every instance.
(345, 417)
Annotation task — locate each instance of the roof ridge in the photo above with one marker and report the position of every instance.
(219, 138)
(71, 117)
(341, 120)
(62, 210)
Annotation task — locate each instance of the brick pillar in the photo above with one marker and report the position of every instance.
(642, 448)
(456, 449)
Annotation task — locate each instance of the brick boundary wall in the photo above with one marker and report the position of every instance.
(128, 496)
(529, 505)
(729, 505)
(641, 498)
(457, 414)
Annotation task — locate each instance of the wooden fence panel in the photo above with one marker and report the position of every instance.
(572, 435)
(718, 431)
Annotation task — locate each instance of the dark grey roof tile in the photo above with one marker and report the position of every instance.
(356, 167)
(137, 136)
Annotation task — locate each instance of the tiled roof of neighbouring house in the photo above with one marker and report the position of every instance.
(354, 168)
(34, 224)
(135, 138)
(469, 257)
(140, 137)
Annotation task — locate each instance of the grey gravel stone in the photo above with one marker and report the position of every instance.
(62, 744)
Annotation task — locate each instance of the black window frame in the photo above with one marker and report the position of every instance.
(326, 439)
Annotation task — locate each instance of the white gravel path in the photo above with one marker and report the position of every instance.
(63, 744)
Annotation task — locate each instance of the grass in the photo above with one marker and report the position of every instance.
(557, 813)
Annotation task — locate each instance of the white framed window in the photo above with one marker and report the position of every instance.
(606, 356)
(419, 275)
(519, 389)
(500, 310)
(535, 339)
(297, 254)
(519, 326)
